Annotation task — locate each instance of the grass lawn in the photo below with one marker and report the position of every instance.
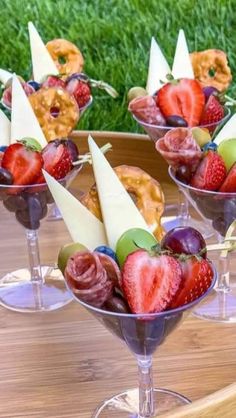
(114, 36)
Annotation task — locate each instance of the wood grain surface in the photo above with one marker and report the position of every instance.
(62, 364)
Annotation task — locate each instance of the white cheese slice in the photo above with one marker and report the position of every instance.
(228, 131)
(182, 66)
(119, 212)
(42, 61)
(5, 129)
(5, 76)
(158, 68)
(24, 122)
(82, 225)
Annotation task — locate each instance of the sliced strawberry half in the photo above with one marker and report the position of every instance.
(57, 160)
(213, 111)
(229, 185)
(197, 278)
(80, 90)
(183, 98)
(150, 282)
(23, 163)
(210, 173)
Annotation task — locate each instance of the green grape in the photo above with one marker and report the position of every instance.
(132, 240)
(66, 252)
(227, 150)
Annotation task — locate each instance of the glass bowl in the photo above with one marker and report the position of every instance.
(156, 132)
(218, 211)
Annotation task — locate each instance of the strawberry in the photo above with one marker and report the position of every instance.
(210, 173)
(150, 281)
(80, 90)
(183, 98)
(23, 162)
(197, 278)
(1, 157)
(57, 160)
(54, 81)
(213, 111)
(229, 185)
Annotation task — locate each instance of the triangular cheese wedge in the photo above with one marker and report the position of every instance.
(182, 66)
(5, 129)
(5, 76)
(228, 131)
(24, 122)
(42, 61)
(158, 68)
(119, 212)
(82, 225)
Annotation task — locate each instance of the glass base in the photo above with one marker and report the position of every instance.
(125, 405)
(54, 213)
(219, 306)
(19, 294)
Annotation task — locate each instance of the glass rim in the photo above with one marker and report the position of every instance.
(37, 185)
(194, 189)
(149, 316)
(82, 109)
(167, 128)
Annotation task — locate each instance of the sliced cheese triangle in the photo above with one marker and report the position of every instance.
(228, 131)
(118, 209)
(5, 76)
(5, 129)
(42, 61)
(24, 122)
(82, 225)
(182, 66)
(158, 68)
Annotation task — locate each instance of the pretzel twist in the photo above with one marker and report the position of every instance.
(146, 192)
(211, 68)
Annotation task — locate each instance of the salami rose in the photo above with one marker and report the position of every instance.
(178, 147)
(145, 109)
(92, 277)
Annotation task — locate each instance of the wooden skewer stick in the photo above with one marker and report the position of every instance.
(86, 158)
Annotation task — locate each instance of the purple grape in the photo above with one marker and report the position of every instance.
(73, 150)
(183, 174)
(176, 121)
(5, 177)
(78, 76)
(184, 240)
(208, 91)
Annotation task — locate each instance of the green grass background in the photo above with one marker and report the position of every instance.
(114, 36)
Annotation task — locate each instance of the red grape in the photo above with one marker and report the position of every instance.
(184, 240)
(183, 174)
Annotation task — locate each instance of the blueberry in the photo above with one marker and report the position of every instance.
(34, 84)
(3, 148)
(210, 146)
(106, 250)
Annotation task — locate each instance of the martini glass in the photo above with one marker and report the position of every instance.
(142, 333)
(183, 217)
(218, 211)
(35, 288)
(54, 213)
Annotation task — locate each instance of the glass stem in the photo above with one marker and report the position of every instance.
(146, 403)
(33, 254)
(183, 211)
(223, 284)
